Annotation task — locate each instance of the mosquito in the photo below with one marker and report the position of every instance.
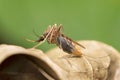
(54, 35)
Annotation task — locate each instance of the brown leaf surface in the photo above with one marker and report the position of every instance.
(99, 62)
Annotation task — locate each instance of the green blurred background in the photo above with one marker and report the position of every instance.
(81, 19)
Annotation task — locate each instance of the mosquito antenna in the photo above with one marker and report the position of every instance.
(35, 33)
(32, 40)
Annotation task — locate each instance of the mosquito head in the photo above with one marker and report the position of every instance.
(51, 34)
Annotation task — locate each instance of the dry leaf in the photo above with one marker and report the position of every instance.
(99, 62)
